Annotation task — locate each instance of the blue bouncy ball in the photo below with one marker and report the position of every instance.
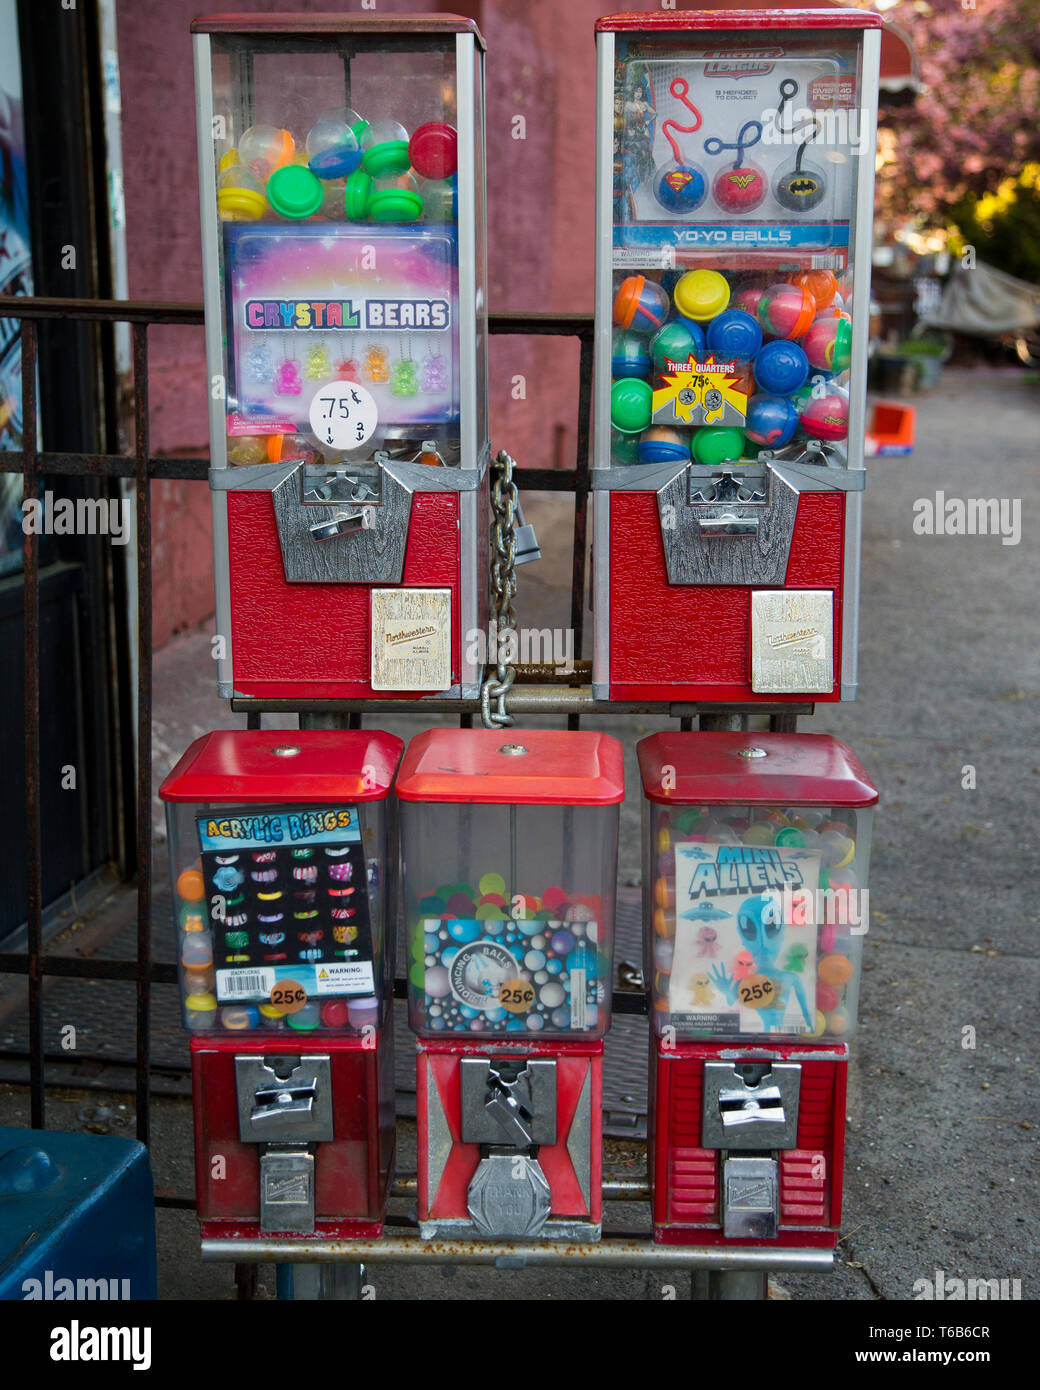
(629, 355)
(781, 367)
(734, 336)
(696, 331)
(680, 187)
(771, 421)
(662, 444)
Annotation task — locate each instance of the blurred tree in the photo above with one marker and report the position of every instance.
(959, 157)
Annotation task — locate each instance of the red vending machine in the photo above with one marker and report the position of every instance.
(341, 163)
(279, 861)
(735, 176)
(756, 855)
(509, 857)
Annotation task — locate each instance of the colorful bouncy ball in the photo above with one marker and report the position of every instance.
(821, 284)
(662, 444)
(677, 342)
(714, 444)
(748, 299)
(771, 421)
(734, 336)
(640, 304)
(631, 405)
(828, 344)
(680, 188)
(701, 294)
(786, 311)
(629, 355)
(825, 416)
(781, 367)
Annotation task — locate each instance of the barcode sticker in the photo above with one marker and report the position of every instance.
(244, 984)
(578, 1017)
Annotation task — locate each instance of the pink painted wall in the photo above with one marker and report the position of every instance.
(541, 66)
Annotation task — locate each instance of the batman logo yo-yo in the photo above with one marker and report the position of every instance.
(799, 190)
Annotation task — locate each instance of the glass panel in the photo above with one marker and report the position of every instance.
(757, 917)
(510, 914)
(734, 181)
(279, 916)
(336, 195)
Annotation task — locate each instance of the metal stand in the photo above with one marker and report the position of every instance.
(309, 1282)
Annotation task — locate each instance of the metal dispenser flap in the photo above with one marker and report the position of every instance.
(342, 525)
(286, 1190)
(284, 1100)
(719, 527)
(742, 1112)
(750, 1198)
(508, 1101)
(509, 1197)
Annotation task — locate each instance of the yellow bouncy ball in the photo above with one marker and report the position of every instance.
(701, 294)
(664, 840)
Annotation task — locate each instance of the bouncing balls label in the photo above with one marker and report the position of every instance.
(478, 973)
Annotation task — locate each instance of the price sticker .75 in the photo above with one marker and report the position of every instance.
(343, 414)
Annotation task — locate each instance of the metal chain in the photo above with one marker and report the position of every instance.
(503, 588)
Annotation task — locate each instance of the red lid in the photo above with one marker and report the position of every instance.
(434, 150)
(714, 769)
(557, 767)
(721, 20)
(272, 765)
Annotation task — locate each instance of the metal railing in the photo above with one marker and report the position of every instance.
(144, 468)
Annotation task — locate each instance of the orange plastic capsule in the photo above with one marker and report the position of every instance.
(664, 893)
(191, 885)
(664, 924)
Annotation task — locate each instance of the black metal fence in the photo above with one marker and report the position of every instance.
(144, 469)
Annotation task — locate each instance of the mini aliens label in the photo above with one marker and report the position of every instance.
(745, 939)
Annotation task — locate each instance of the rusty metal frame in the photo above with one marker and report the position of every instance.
(144, 468)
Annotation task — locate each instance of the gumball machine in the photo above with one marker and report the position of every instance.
(341, 162)
(735, 184)
(279, 862)
(509, 857)
(756, 857)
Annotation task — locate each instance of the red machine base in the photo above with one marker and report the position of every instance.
(686, 1177)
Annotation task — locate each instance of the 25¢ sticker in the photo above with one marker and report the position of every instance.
(288, 995)
(516, 995)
